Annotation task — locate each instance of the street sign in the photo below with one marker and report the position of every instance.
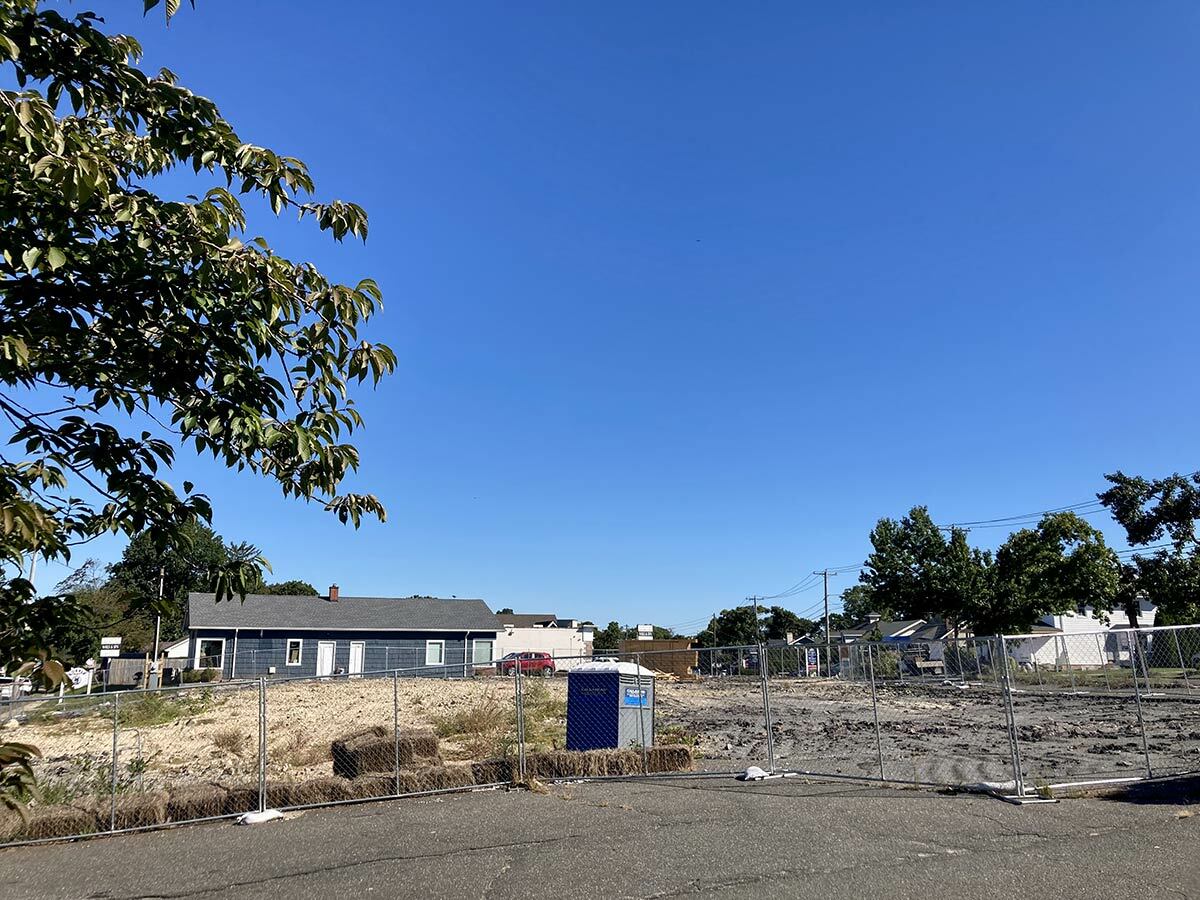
(110, 647)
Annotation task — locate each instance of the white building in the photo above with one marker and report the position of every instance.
(564, 639)
(1083, 639)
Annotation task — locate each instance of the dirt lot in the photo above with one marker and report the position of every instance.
(935, 732)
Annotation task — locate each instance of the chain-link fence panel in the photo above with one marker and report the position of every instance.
(75, 738)
(1077, 707)
(135, 759)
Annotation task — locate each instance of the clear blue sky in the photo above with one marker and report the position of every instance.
(687, 295)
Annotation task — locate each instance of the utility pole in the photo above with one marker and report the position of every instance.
(828, 637)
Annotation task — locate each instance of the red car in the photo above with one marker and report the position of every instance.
(529, 663)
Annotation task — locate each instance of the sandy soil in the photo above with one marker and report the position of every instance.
(933, 732)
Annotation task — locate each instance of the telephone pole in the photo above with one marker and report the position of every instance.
(828, 638)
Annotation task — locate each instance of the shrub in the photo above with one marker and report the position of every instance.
(231, 740)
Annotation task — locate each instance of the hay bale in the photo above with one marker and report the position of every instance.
(321, 790)
(140, 810)
(241, 799)
(436, 778)
(556, 764)
(11, 825)
(669, 758)
(62, 821)
(494, 771)
(279, 795)
(371, 787)
(376, 750)
(419, 748)
(611, 762)
(196, 801)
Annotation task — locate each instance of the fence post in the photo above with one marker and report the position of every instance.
(1182, 664)
(1137, 693)
(520, 700)
(875, 711)
(112, 813)
(1070, 668)
(396, 729)
(1011, 715)
(1103, 663)
(262, 743)
(766, 699)
(637, 661)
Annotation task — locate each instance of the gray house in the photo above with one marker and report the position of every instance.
(294, 636)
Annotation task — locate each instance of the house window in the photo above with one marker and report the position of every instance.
(210, 653)
(483, 651)
(435, 653)
(295, 647)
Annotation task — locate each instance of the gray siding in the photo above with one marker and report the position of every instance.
(258, 651)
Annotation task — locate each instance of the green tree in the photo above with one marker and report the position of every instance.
(289, 589)
(858, 601)
(1061, 565)
(915, 571)
(781, 622)
(1151, 510)
(133, 324)
(733, 627)
(607, 638)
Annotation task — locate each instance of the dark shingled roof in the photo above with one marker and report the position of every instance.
(347, 614)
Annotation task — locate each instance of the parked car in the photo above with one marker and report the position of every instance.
(530, 663)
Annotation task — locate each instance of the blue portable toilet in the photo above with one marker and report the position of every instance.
(610, 705)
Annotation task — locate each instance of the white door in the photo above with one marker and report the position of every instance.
(325, 657)
(357, 650)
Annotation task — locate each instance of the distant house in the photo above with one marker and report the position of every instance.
(298, 635)
(569, 641)
(1072, 638)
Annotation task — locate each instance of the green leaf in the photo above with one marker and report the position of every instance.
(56, 258)
(30, 257)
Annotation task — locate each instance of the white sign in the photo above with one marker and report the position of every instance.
(645, 632)
(110, 647)
(79, 677)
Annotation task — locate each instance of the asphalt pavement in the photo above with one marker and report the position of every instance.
(706, 838)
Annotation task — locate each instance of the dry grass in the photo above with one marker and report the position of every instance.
(231, 740)
(197, 801)
(481, 729)
(141, 810)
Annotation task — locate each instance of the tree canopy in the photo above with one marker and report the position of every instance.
(134, 324)
(1168, 574)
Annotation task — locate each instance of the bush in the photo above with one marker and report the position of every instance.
(193, 676)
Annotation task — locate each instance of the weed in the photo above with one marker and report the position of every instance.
(678, 734)
(230, 740)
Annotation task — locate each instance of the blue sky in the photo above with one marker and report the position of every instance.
(687, 295)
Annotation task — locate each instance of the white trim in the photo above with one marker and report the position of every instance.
(196, 658)
(475, 641)
(287, 652)
(332, 658)
(362, 659)
(442, 660)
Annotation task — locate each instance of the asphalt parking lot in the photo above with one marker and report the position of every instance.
(707, 838)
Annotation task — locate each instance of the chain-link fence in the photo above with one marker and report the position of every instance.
(1022, 713)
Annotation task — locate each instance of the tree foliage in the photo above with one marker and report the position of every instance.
(133, 324)
(118, 303)
(1060, 566)
(1153, 510)
(292, 588)
(914, 571)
